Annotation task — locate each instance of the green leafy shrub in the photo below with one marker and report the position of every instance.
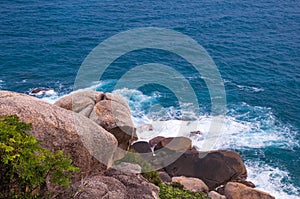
(25, 165)
(178, 192)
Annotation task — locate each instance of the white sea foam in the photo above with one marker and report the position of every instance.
(272, 180)
(250, 88)
(47, 94)
(245, 88)
(1, 84)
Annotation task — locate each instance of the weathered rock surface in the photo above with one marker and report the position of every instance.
(192, 184)
(60, 129)
(234, 190)
(116, 185)
(137, 186)
(164, 177)
(214, 168)
(215, 195)
(172, 143)
(108, 110)
(101, 187)
(113, 186)
(127, 167)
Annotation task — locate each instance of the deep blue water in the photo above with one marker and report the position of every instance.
(255, 46)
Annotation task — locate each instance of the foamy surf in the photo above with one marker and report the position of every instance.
(272, 180)
(1, 84)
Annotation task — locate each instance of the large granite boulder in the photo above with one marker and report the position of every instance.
(91, 147)
(235, 190)
(214, 168)
(108, 110)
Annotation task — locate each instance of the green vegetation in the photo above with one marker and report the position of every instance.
(25, 165)
(167, 191)
(135, 158)
(173, 192)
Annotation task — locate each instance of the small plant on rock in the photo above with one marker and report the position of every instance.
(25, 165)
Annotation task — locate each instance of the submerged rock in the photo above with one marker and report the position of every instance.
(91, 147)
(235, 190)
(108, 110)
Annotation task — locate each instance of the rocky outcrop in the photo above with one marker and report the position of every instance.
(91, 147)
(214, 168)
(215, 195)
(123, 186)
(192, 184)
(117, 184)
(100, 187)
(234, 190)
(108, 110)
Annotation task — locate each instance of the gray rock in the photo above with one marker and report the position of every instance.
(101, 187)
(137, 186)
(127, 167)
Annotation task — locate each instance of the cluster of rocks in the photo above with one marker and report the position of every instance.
(96, 129)
(220, 173)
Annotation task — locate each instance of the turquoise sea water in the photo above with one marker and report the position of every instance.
(255, 46)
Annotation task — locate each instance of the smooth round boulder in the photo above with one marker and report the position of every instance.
(214, 168)
(235, 190)
(192, 184)
(108, 110)
(90, 146)
(172, 143)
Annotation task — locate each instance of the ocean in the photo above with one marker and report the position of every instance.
(254, 44)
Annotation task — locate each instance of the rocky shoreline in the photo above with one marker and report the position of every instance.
(96, 130)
